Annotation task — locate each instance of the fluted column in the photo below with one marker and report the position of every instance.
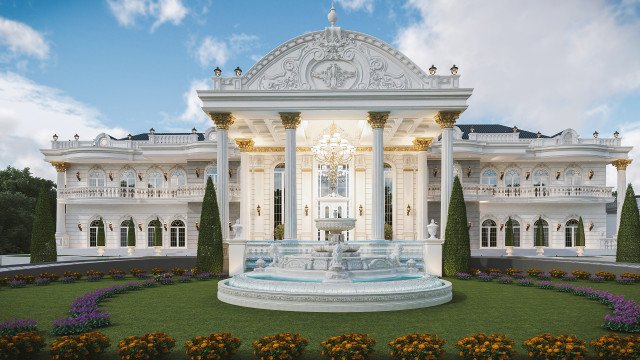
(422, 219)
(377, 120)
(621, 165)
(223, 121)
(446, 120)
(61, 230)
(290, 121)
(245, 145)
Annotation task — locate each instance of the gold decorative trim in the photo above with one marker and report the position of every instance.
(408, 169)
(621, 164)
(290, 120)
(447, 119)
(422, 143)
(222, 120)
(257, 170)
(377, 119)
(245, 144)
(361, 169)
(60, 166)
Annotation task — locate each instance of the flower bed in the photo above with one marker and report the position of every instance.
(582, 275)
(165, 279)
(13, 327)
(417, 347)
(606, 275)
(73, 274)
(79, 347)
(481, 346)
(51, 277)
(348, 346)
(633, 276)
(42, 281)
(613, 346)
(28, 279)
(147, 346)
(14, 284)
(549, 347)
(283, 346)
(505, 280)
(625, 281)
(463, 276)
(23, 345)
(556, 273)
(534, 272)
(215, 346)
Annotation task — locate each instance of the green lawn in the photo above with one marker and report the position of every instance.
(187, 310)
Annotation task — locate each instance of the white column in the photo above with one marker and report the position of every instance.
(290, 121)
(61, 231)
(245, 146)
(422, 216)
(621, 165)
(446, 120)
(223, 121)
(377, 120)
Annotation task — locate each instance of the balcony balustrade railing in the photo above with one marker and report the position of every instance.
(531, 192)
(181, 192)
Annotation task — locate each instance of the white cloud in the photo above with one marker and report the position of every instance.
(354, 5)
(212, 51)
(127, 12)
(193, 106)
(31, 113)
(540, 65)
(22, 39)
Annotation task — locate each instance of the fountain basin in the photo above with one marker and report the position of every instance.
(335, 225)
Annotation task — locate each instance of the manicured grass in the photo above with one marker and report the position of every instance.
(187, 310)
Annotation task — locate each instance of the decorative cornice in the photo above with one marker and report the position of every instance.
(60, 166)
(422, 143)
(447, 119)
(222, 120)
(377, 119)
(621, 164)
(245, 144)
(290, 120)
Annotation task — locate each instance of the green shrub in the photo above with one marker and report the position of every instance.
(131, 234)
(629, 230)
(100, 241)
(278, 232)
(157, 233)
(456, 249)
(43, 239)
(539, 241)
(388, 231)
(580, 237)
(209, 256)
(508, 235)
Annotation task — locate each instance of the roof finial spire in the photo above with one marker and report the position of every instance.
(332, 16)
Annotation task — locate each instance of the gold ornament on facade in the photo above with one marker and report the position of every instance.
(222, 120)
(446, 119)
(621, 164)
(60, 166)
(245, 144)
(377, 119)
(290, 120)
(422, 143)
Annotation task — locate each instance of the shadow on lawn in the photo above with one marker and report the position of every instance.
(457, 297)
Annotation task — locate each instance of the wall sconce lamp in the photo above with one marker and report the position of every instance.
(469, 225)
(165, 226)
(527, 175)
(527, 227)
(80, 226)
(166, 176)
(78, 175)
(469, 171)
(557, 175)
(110, 227)
(258, 209)
(408, 210)
(110, 176)
(360, 209)
(306, 210)
(197, 226)
(590, 174)
(140, 226)
(501, 175)
(435, 171)
(140, 176)
(197, 172)
(558, 226)
(590, 225)
(501, 227)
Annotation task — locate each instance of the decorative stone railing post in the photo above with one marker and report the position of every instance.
(377, 120)
(223, 121)
(290, 121)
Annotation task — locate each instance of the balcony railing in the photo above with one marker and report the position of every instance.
(476, 191)
(182, 192)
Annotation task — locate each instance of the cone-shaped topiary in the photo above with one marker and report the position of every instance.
(157, 233)
(580, 237)
(131, 234)
(101, 236)
(629, 231)
(508, 234)
(209, 257)
(43, 238)
(539, 240)
(456, 250)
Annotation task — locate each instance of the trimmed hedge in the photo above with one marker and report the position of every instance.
(456, 251)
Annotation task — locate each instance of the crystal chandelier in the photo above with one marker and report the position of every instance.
(333, 151)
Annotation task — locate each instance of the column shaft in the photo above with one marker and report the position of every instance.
(245, 145)
(60, 213)
(422, 186)
(222, 188)
(621, 165)
(290, 122)
(377, 120)
(446, 120)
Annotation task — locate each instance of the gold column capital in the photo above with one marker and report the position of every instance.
(245, 144)
(290, 120)
(447, 119)
(377, 119)
(422, 143)
(60, 166)
(621, 164)
(222, 120)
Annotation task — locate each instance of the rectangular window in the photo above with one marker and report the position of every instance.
(151, 236)
(123, 236)
(174, 237)
(493, 238)
(516, 236)
(93, 237)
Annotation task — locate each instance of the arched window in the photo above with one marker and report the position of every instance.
(388, 194)
(512, 178)
(178, 178)
(516, 232)
(96, 178)
(540, 182)
(93, 233)
(156, 180)
(212, 172)
(572, 177)
(489, 233)
(278, 195)
(151, 232)
(545, 231)
(570, 233)
(342, 181)
(489, 177)
(127, 183)
(326, 212)
(178, 234)
(124, 232)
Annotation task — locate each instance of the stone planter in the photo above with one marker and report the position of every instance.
(580, 250)
(539, 250)
(100, 250)
(157, 250)
(131, 250)
(509, 250)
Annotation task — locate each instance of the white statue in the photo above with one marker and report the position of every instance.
(432, 229)
(274, 251)
(237, 230)
(259, 265)
(394, 257)
(336, 256)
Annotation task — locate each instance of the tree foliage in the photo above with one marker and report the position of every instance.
(157, 233)
(100, 240)
(18, 193)
(43, 240)
(508, 234)
(629, 230)
(131, 233)
(580, 236)
(210, 257)
(539, 240)
(456, 249)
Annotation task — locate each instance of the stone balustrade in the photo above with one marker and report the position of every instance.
(114, 192)
(486, 192)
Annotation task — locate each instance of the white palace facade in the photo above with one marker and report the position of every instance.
(409, 140)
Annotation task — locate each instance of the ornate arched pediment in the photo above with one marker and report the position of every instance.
(335, 59)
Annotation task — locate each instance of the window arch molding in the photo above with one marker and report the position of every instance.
(489, 176)
(154, 178)
(538, 173)
(518, 228)
(489, 232)
(92, 237)
(546, 222)
(177, 177)
(512, 177)
(211, 171)
(96, 177)
(570, 232)
(122, 232)
(178, 232)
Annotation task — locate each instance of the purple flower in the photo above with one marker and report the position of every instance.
(505, 280)
(17, 283)
(463, 276)
(524, 282)
(596, 278)
(42, 281)
(12, 327)
(569, 277)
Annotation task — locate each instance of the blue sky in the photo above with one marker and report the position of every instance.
(124, 66)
